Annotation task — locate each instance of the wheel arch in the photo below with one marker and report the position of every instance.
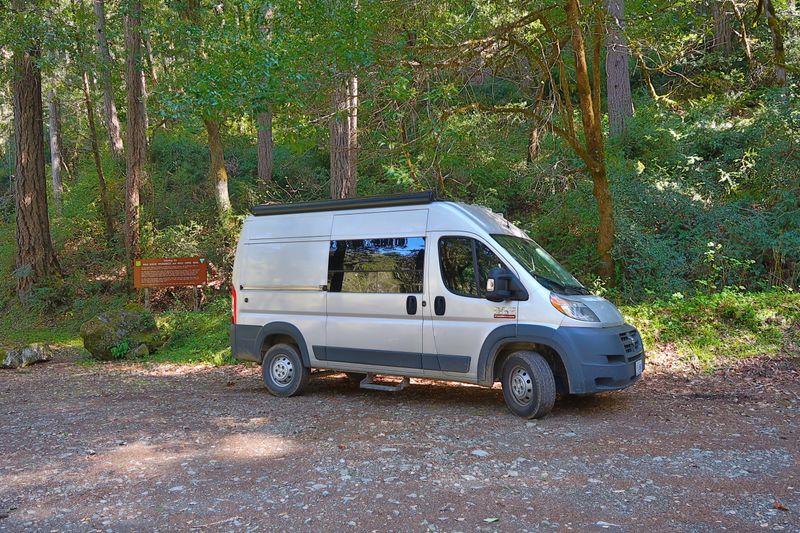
(278, 332)
(505, 340)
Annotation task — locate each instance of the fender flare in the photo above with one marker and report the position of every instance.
(534, 334)
(283, 328)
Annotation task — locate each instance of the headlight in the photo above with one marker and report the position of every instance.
(573, 308)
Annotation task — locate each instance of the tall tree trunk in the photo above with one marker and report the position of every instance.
(55, 146)
(105, 205)
(618, 79)
(778, 50)
(533, 144)
(352, 129)
(36, 256)
(265, 145)
(344, 140)
(151, 64)
(217, 173)
(593, 134)
(144, 105)
(137, 141)
(743, 31)
(104, 58)
(721, 13)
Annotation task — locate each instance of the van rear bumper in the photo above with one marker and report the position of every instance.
(243, 342)
(601, 359)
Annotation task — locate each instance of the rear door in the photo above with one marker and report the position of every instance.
(375, 290)
(461, 315)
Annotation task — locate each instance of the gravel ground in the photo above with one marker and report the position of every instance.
(134, 447)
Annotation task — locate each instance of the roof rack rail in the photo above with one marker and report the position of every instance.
(368, 202)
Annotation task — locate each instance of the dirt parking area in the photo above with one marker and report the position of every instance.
(123, 447)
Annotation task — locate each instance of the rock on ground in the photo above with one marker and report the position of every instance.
(140, 351)
(22, 357)
(106, 331)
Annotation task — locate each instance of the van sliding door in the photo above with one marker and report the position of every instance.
(375, 291)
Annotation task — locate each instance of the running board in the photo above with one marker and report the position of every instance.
(369, 383)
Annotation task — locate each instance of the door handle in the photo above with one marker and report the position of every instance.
(411, 305)
(439, 305)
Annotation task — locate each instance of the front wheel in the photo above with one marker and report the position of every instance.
(528, 385)
(283, 371)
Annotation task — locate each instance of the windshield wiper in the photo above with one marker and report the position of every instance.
(570, 289)
(558, 286)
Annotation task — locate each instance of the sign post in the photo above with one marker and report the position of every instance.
(170, 272)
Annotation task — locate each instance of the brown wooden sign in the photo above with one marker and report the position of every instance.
(170, 272)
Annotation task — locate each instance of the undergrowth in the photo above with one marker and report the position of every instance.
(710, 330)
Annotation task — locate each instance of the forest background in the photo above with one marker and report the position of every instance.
(652, 147)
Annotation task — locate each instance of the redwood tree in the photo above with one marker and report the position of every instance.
(722, 17)
(137, 140)
(344, 139)
(618, 79)
(36, 256)
(265, 144)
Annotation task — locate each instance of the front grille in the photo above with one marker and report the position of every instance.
(631, 341)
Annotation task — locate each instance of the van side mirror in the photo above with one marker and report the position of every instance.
(502, 285)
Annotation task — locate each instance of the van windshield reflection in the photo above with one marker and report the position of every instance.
(541, 265)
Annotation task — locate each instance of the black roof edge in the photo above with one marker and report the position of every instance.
(368, 202)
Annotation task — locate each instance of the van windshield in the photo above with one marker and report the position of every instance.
(540, 264)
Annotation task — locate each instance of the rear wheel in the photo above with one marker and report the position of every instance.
(283, 371)
(528, 385)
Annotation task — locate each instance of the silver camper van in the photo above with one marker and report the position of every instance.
(409, 286)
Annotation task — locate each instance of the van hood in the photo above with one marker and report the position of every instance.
(607, 312)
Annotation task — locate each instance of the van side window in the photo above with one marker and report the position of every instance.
(393, 265)
(465, 264)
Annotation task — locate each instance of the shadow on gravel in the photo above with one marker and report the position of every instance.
(446, 395)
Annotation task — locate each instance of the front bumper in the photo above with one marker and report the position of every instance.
(601, 359)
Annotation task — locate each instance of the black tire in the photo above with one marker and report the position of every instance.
(354, 378)
(528, 385)
(283, 371)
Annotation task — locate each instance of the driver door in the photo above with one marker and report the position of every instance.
(461, 315)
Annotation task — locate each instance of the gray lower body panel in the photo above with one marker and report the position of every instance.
(445, 363)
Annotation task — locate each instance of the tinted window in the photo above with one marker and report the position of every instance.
(458, 268)
(377, 265)
(465, 264)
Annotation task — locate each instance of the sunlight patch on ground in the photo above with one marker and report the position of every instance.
(249, 446)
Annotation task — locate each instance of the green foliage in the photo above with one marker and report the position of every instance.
(120, 350)
(51, 296)
(710, 330)
(197, 336)
(681, 181)
(705, 183)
